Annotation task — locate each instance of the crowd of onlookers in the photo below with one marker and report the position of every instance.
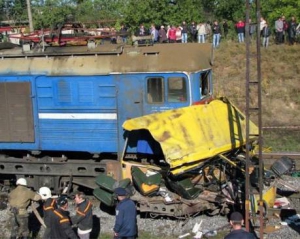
(283, 31)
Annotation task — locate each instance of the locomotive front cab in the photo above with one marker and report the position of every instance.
(170, 91)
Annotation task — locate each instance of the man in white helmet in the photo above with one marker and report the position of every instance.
(19, 199)
(49, 205)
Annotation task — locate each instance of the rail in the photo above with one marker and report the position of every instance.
(278, 155)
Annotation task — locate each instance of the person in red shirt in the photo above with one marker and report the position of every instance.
(172, 34)
(240, 28)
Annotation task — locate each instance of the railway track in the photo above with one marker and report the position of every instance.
(270, 158)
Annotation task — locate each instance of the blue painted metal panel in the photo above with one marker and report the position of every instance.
(130, 101)
(82, 93)
(77, 113)
(86, 113)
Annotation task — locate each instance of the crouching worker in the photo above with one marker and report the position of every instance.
(84, 216)
(19, 200)
(125, 224)
(60, 226)
(49, 205)
(236, 221)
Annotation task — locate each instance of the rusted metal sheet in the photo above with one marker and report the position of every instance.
(16, 118)
(107, 59)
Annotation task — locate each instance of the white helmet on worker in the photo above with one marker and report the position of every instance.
(21, 181)
(45, 193)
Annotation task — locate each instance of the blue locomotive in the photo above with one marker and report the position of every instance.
(62, 104)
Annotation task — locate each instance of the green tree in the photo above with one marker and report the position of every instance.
(231, 10)
(272, 9)
(52, 12)
(162, 12)
(135, 12)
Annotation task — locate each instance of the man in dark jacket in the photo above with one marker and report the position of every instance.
(49, 205)
(216, 34)
(125, 224)
(225, 28)
(266, 32)
(84, 216)
(236, 221)
(19, 200)
(193, 32)
(60, 226)
(292, 26)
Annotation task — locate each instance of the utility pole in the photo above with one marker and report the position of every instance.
(29, 16)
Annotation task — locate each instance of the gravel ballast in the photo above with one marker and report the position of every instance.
(162, 226)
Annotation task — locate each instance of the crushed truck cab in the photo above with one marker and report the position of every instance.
(183, 161)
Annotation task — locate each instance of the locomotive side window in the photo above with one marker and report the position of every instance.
(155, 90)
(205, 84)
(177, 89)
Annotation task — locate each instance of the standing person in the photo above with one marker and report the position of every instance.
(60, 226)
(225, 28)
(172, 34)
(141, 32)
(292, 30)
(19, 200)
(125, 224)
(162, 35)
(216, 34)
(285, 27)
(193, 32)
(252, 28)
(154, 33)
(178, 34)
(49, 205)
(262, 23)
(123, 33)
(240, 28)
(84, 216)
(201, 32)
(113, 33)
(236, 221)
(279, 30)
(184, 32)
(266, 32)
(207, 30)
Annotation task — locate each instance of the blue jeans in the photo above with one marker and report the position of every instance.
(216, 40)
(201, 38)
(184, 38)
(265, 42)
(241, 37)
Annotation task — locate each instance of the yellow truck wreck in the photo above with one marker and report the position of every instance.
(181, 162)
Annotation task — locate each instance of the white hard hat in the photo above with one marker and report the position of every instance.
(21, 181)
(45, 192)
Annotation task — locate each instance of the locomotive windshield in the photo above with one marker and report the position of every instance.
(177, 89)
(155, 90)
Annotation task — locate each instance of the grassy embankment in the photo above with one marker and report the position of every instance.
(280, 89)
